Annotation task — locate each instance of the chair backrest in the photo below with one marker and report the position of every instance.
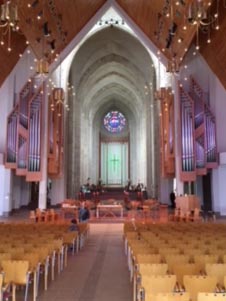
(174, 259)
(218, 270)
(185, 269)
(4, 256)
(201, 260)
(21, 268)
(211, 297)
(153, 269)
(199, 284)
(168, 297)
(8, 268)
(165, 251)
(159, 284)
(148, 258)
(1, 282)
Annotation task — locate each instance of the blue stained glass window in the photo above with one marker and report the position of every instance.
(114, 122)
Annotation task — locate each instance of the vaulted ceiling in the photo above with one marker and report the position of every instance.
(63, 20)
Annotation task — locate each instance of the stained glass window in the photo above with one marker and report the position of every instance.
(114, 122)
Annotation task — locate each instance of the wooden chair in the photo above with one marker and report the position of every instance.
(218, 270)
(211, 297)
(153, 269)
(4, 256)
(32, 215)
(1, 286)
(174, 259)
(158, 284)
(70, 240)
(184, 269)
(165, 251)
(196, 284)
(202, 260)
(17, 273)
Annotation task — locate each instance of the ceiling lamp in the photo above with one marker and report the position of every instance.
(42, 67)
(173, 66)
(58, 101)
(8, 22)
(201, 15)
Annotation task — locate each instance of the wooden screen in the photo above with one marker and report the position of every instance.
(55, 147)
(167, 132)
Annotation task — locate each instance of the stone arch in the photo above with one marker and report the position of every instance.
(111, 69)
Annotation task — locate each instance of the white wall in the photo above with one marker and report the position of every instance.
(10, 195)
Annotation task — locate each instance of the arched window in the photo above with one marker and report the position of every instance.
(114, 122)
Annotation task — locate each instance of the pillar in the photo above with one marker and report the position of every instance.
(179, 183)
(5, 191)
(42, 198)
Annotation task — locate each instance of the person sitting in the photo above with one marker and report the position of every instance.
(84, 214)
(74, 225)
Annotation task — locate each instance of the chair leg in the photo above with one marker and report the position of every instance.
(14, 292)
(46, 273)
(65, 256)
(73, 247)
(27, 286)
(59, 260)
(53, 265)
(77, 245)
(38, 275)
(35, 286)
(62, 258)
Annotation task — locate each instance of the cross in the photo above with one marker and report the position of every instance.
(114, 161)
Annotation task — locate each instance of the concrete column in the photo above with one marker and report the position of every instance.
(179, 184)
(42, 199)
(5, 191)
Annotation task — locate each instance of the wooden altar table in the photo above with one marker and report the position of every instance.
(69, 209)
(109, 209)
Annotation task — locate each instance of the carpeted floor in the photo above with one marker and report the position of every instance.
(97, 273)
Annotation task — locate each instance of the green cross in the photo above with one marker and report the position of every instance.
(114, 161)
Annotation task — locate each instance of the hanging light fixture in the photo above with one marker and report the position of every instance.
(58, 101)
(42, 66)
(200, 15)
(8, 22)
(173, 63)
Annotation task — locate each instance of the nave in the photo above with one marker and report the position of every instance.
(98, 272)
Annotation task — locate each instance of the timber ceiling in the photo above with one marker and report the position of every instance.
(63, 20)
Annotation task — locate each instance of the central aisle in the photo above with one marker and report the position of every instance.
(97, 273)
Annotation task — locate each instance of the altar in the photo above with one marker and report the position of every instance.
(69, 208)
(109, 209)
(187, 202)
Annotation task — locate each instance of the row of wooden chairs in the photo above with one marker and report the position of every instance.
(26, 249)
(196, 288)
(39, 215)
(188, 249)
